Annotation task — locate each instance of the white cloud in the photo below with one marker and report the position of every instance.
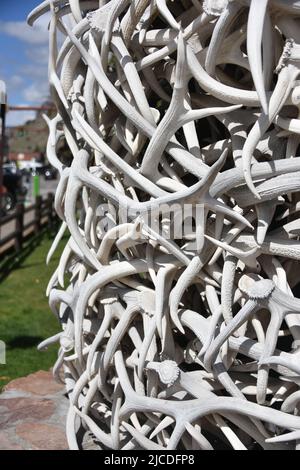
(38, 54)
(37, 34)
(30, 81)
(37, 92)
(14, 83)
(20, 30)
(18, 118)
(36, 70)
(32, 70)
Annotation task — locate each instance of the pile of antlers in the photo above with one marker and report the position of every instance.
(182, 331)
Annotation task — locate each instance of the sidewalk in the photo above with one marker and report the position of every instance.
(33, 412)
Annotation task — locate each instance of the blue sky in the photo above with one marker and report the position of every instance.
(23, 57)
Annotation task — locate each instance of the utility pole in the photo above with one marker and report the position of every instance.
(3, 99)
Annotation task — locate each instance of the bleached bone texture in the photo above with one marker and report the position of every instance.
(177, 335)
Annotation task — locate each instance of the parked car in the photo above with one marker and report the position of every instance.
(36, 168)
(14, 188)
(5, 201)
(10, 167)
(50, 173)
(31, 167)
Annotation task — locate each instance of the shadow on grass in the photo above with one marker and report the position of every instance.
(15, 259)
(32, 265)
(24, 342)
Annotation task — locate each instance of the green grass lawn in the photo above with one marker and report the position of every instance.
(25, 317)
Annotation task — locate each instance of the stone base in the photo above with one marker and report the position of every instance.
(33, 414)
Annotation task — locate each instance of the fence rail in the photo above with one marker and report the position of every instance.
(43, 215)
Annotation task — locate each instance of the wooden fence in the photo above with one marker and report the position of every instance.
(43, 215)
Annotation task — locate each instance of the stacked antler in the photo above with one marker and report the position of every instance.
(180, 323)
